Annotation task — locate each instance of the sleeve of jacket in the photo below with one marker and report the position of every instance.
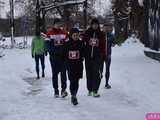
(65, 50)
(32, 47)
(45, 47)
(83, 49)
(103, 48)
(66, 37)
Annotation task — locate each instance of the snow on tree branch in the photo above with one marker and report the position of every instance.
(63, 4)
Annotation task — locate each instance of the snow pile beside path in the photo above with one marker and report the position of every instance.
(131, 48)
(131, 41)
(136, 74)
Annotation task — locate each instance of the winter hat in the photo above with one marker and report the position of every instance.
(57, 20)
(73, 30)
(94, 21)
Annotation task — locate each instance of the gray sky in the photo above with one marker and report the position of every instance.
(101, 7)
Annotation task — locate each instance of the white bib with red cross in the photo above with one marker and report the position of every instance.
(74, 55)
(94, 42)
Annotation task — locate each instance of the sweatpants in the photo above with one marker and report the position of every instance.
(93, 74)
(58, 66)
(40, 58)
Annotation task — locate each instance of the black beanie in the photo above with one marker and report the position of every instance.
(73, 30)
(94, 21)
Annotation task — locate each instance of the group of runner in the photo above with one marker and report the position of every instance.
(67, 53)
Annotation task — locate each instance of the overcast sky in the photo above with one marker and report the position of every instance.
(101, 7)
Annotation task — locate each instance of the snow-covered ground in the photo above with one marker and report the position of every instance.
(135, 89)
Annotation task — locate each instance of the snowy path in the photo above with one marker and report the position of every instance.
(135, 90)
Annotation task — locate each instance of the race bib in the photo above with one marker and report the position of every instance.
(74, 55)
(94, 42)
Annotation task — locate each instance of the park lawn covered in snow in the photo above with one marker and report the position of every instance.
(135, 89)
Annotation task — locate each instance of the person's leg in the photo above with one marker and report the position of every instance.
(63, 84)
(101, 68)
(74, 85)
(54, 76)
(37, 65)
(63, 79)
(96, 76)
(89, 76)
(42, 58)
(107, 75)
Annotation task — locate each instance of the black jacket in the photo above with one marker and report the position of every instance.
(74, 55)
(99, 49)
(110, 41)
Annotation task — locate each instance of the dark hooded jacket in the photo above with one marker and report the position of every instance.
(97, 50)
(74, 55)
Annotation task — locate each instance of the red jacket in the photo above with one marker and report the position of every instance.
(56, 43)
(57, 34)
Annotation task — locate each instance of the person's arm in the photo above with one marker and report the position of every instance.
(83, 49)
(45, 46)
(66, 39)
(43, 35)
(32, 48)
(65, 51)
(103, 47)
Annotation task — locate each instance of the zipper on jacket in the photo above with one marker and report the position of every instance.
(92, 51)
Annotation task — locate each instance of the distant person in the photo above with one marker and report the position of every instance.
(38, 53)
(74, 52)
(94, 52)
(55, 46)
(110, 41)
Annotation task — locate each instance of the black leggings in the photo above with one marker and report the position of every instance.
(74, 85)
(42, 59)
(107, 62)
(58, 66)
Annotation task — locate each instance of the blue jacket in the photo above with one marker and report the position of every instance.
(110, 41)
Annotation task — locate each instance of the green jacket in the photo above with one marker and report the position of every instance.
(38, 46)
